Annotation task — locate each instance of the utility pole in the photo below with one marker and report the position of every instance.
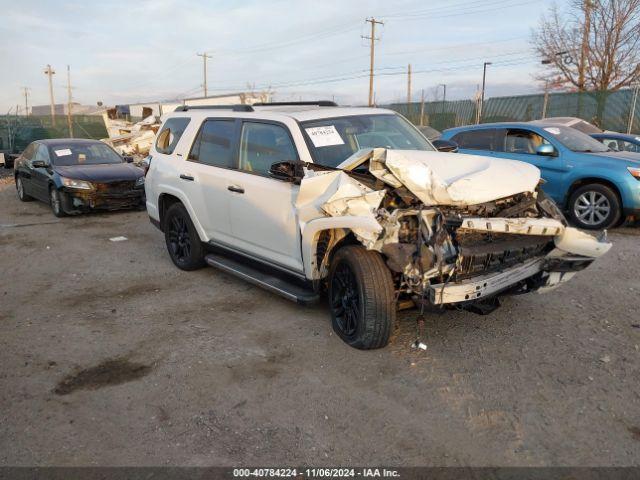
(422, 108)
(484, 78)
(409, 84)
(444, 95)
(49, 71)
(69, 123)
(632, 112)
(372, 48)
(204, 59)
(25, 90)
(584, 50)
(545, 102)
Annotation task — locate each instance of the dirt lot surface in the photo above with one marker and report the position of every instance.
(109, 355)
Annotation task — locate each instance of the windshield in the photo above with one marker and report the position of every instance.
(333, 140)
(575, 140)
(83, 154)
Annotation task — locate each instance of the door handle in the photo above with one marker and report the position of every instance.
(186, 177)
(235, 188)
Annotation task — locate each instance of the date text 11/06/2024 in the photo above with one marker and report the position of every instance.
(315, 472)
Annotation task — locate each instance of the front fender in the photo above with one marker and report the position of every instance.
(312, 229)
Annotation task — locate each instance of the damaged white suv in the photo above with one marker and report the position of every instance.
(310, 197)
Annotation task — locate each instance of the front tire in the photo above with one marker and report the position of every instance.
(361, 296)
(56, 202)
(20, 189)
(181, 237)
(594, 207)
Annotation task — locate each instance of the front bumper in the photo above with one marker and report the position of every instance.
(544, 272)
(74, 201)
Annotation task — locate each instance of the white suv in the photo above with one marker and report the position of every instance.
(303, 198)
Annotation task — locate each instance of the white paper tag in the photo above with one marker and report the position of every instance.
(63, 153)
(118, 239)
(324, 136)
(553, 130)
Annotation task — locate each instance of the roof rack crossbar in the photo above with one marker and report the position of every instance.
(235, 108)
(319, 103)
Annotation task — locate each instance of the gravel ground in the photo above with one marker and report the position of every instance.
(111, 356)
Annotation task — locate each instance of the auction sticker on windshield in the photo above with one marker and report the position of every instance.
(63, 153)
(324, 136)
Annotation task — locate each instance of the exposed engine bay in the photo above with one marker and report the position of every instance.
(454, 230)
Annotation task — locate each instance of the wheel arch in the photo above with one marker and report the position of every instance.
(590, 180)
(321, 238)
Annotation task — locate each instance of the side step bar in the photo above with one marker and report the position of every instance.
(278, 285)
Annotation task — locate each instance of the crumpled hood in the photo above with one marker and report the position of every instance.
(101, 173)
(438, 178)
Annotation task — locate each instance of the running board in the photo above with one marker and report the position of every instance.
(280, 286)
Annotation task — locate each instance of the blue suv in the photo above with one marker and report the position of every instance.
(598, 187)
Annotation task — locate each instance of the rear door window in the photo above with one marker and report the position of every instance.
(482, 139)
(262, 145)
(215, 144)
(170, 134)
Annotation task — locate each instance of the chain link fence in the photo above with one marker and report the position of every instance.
(609, 110)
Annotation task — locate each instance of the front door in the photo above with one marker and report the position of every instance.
(521, 144)
(263, 216)
(40, 176)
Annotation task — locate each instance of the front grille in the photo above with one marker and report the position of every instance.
(115, 187)
(481, 253)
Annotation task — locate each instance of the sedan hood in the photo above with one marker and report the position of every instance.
(626, 157)
(101, 173)
(438, 178)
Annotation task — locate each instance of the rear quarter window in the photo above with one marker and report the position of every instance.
(170, 134)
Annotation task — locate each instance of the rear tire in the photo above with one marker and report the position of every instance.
(594, 207)
(181, 237)
(361, 296)
(20, 189)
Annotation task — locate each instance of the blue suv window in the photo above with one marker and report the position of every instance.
(482, 139)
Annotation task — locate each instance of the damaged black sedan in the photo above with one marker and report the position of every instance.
(78, 175)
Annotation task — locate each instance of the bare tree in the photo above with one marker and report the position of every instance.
(594, 45)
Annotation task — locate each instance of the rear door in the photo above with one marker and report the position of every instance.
(521, 144)
(24, 169)
(480, 141)
(204, 176)
(263, 217)
(40, 176)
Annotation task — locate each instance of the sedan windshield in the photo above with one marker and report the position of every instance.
(575, 140)
(333, 140)
(83, 154)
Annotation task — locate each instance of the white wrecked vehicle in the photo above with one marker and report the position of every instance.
(302, 198)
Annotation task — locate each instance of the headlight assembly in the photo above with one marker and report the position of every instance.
(77, 184)
(140, 182)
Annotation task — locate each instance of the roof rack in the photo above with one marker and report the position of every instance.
(235, 108)
(319, 103)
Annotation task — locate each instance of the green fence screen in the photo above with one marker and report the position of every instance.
(608, 110)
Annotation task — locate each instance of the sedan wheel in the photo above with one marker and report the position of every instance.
(56, 202)
(20, 188)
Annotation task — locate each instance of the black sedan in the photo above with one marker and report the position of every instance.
(75, 175)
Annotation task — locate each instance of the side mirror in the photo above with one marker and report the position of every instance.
(287, 171)
(546, 150)
(445, 145)
(128, 159)
(39, 164)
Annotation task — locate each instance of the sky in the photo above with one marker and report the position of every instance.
(146, 50)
